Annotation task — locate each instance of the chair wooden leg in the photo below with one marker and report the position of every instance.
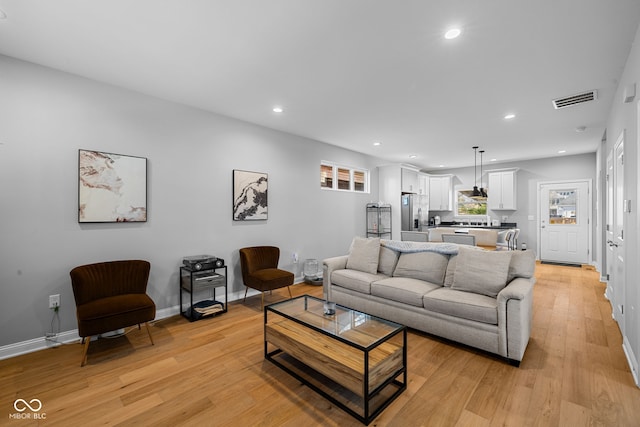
(289, 289)
(149, 332)
(262, 301)
(246, 288)
(85, 348)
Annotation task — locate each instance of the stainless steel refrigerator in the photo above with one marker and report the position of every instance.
(413, 212)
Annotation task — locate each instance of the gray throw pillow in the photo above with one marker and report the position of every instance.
(364, 255)
(451, 269)
(387, 261)
(427, 266)
(523, 264)
(481, 272)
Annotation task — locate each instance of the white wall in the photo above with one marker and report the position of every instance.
(624, 117)
(46, 116)
(530, 173)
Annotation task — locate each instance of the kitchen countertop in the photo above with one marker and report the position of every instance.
(503, 226)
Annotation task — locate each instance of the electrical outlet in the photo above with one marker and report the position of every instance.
(54, 301)
(294, 256)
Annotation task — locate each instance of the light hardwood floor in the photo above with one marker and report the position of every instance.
(212, 373)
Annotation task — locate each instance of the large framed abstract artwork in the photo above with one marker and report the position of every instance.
(111, 187)
(249, 195)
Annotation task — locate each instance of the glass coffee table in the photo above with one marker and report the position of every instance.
(355, 360)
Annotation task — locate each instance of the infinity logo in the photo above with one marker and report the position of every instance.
(24, 405)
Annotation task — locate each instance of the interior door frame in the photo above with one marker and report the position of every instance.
(609, 254)
(589, 183)
(618, 223)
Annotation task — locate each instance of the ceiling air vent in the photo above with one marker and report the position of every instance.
(572, 100)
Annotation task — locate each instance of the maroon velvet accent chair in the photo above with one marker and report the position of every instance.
(260, 270)
(110, 296)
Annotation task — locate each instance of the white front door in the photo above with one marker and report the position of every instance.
(565, 231)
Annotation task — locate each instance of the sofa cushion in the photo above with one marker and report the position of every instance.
(523, 264)
(387, 261)
(427, 266)
(364, 254)
(355, 280)
(466, 305)
(481, 272)
(402, 289)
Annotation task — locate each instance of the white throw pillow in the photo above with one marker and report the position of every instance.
(481, 272)
(364, 255)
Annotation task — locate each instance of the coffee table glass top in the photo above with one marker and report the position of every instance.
(351, 326)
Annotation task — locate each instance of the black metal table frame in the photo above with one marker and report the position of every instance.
(366, 418)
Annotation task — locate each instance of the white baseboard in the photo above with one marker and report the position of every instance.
(631, 359)
(41, 343)
(36, 344)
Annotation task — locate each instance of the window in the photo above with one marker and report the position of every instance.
(344, 178)
(326, 176)
(563, 207)
(470, 205)
(358, 181)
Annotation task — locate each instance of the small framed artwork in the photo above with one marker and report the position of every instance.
(249, 195)
(111, 187)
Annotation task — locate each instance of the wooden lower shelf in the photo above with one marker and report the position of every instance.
(334, 359)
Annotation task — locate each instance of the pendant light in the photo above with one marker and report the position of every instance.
(483, 192)
(476, 192)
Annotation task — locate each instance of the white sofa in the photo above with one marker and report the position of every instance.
(476, 297)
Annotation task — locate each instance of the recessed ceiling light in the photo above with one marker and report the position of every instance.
(452, 33)
(493, 160)
(509, 116)
(562, 151)
(441, 166)
(277, 109)
(413, 156)
(581, 128)
(377, 143)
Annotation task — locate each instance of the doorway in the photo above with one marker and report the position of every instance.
(565, 221)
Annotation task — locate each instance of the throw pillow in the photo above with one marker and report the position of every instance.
(481, 272)
(364, 255)
(523, 264)
(427, 266)
(451, 269)
(388, 260)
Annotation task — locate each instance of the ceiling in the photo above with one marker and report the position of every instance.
(353, 72)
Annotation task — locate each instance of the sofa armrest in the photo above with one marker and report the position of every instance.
(329, 265)
(518, 288)
(515, 314)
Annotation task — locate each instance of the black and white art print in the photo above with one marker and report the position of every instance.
(249, 195)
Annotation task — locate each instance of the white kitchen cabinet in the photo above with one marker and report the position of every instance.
(440, 193)
(409, 181)
(502, 190)
(423, 184)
